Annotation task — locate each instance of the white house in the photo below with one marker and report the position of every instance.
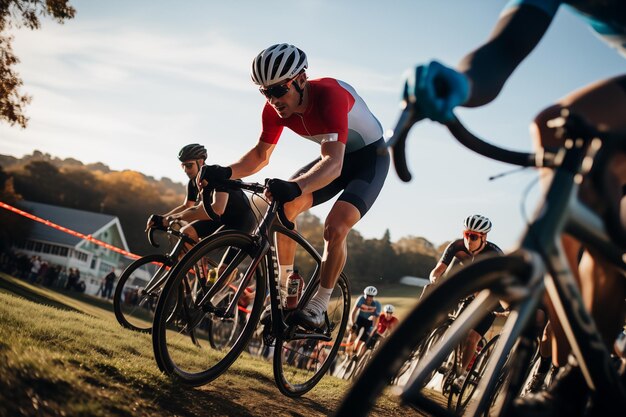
(61, 248)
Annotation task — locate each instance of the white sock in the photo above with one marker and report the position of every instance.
(319, 302)
(283, 274)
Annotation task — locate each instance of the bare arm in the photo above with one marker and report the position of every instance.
(515, 35)
(253, 161)
(190, 214)
(438, 271)
(353, 313)
(326, 170)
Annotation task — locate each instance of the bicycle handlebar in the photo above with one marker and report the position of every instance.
(150, 233)
(411, 114)
(257, 188)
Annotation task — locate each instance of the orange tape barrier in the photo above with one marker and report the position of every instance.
(69, 231)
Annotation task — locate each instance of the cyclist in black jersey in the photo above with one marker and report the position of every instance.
(231, 209)
(463, 252)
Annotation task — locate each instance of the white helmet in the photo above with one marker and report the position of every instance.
(388, 308)
(370, 291)
(279, 62)
(477, 223)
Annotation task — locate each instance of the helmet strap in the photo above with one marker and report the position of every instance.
(300, 91)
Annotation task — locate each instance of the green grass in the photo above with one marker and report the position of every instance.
(63, 354)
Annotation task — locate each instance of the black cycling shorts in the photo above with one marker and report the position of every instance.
(245, 223)
(364, 323)
(362, 177)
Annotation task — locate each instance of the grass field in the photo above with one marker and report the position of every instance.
(64, 354)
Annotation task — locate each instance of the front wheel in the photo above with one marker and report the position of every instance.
(300, 364)
(198, 344)
(431, 311)
(137, 292)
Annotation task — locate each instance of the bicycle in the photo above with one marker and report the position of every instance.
(365, 357)
(517, 278)
(139, 286)
(254, 256)
(349, 363)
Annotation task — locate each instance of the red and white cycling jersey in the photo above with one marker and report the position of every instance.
(335, 112)
(384, 323)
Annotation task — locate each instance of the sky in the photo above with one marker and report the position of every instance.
(128, 83)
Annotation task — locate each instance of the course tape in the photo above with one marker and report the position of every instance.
(69, 231)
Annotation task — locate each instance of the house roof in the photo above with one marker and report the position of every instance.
(85, 222)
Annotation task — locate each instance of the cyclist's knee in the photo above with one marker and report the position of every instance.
(190, 232)
(335, 231)
(297, 206)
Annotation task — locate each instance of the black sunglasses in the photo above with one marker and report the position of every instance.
(276, 91)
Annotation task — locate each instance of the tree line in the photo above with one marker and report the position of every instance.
(132, 196)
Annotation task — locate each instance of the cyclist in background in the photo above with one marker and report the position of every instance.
(231, 208)
(365, 311)
(463, 252)
(385, 323)
(353, 160)
(477, 80)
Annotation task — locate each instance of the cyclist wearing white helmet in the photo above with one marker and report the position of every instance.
(473, 243)
(363, 314)
(462, 252)
(385, 323)
(353, 161)
(231, 208)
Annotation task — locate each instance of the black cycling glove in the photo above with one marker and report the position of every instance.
(157, 221)
(283, 191)
(215, 173)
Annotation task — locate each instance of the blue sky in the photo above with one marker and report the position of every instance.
(128, 83)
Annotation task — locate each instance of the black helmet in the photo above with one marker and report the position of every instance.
(192, 151)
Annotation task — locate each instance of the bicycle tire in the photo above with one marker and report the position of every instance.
(474, 375)
(137, 314)
(361, 364)
(181, 347)
(430, 312)
(295, 382)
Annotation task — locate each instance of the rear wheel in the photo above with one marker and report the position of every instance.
(300, 364)
(207, 336)
(132, 303)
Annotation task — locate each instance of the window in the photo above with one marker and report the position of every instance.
(30, 245)
(46, 248)
(55, 250)
(93, 263)
(63, 251)
(37, 247)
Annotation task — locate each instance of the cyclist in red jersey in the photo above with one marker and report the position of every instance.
(385, 323)
(353, 159)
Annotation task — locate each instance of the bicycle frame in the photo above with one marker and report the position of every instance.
(560, 212)
(265, 249)
(173, 255)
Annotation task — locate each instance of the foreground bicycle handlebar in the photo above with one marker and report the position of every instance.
(411, 114)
